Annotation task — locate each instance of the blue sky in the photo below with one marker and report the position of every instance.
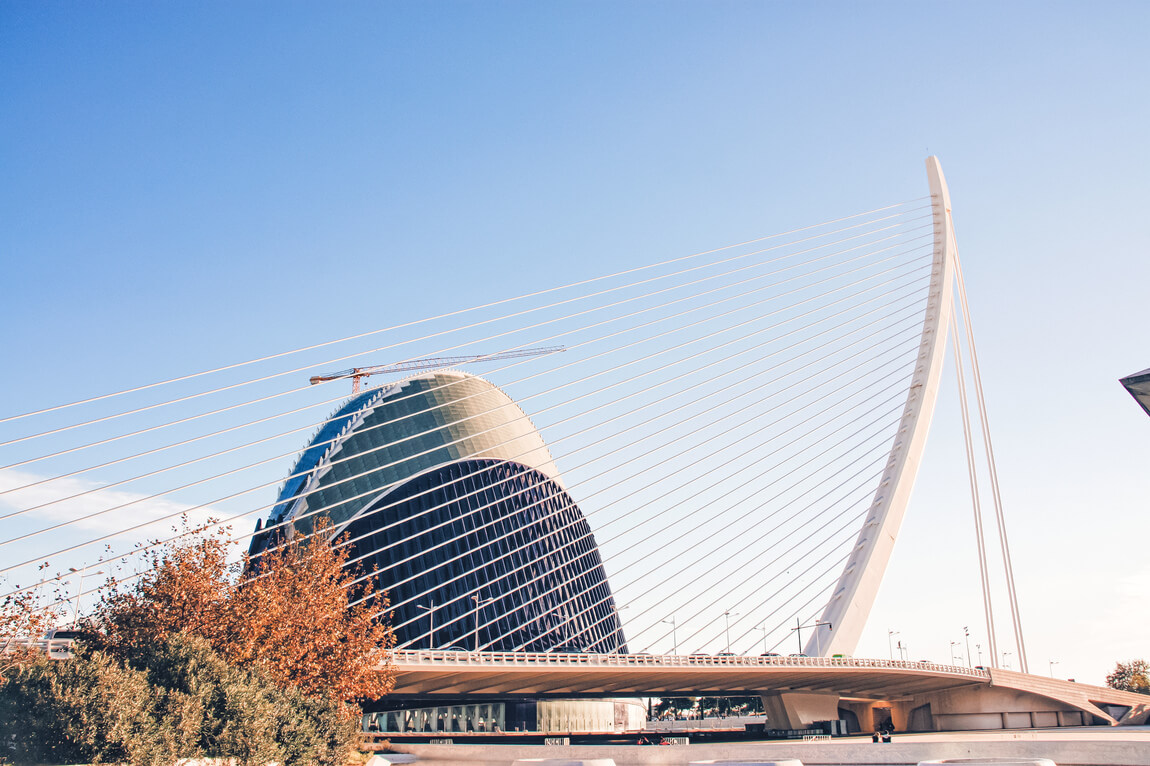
(190, 184)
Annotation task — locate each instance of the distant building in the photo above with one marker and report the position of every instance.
(453, 504)
(1138, 385)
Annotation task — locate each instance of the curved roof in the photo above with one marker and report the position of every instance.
(383, 437)
(1138, 385)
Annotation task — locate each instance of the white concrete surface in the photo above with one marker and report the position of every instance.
(563, 762)
(990, 762)
(789, 762)
(1091, 746)
(390, 758)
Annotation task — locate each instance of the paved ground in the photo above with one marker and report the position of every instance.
(1093, 746)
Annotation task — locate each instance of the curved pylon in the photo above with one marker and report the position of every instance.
(846, 613)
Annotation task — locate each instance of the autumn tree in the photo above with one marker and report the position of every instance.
(1133, 676)
(26, 614)
(301, 616)
(296, 612)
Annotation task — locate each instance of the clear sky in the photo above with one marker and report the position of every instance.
(189, 184)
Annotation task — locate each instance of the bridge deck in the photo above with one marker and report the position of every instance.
(432, 673)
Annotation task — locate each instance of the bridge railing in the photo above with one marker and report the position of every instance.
(55, 648)
(537, 659)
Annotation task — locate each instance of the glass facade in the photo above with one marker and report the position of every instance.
(452, 503)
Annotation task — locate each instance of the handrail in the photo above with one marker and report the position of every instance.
(457, 658)
(55, 648)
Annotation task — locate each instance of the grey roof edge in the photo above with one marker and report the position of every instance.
(1138, 386)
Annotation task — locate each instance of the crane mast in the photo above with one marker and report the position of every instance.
(358, 374)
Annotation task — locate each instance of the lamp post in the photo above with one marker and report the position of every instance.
(727, 614)
(818, 641)
(1052, 664)
(966, 632)
(478, 603)
(890, 646)
(763, 627)
(952, 645)
(816, 625)
(80, 591)
(979, 648)
(431, 623)
(674, 635)
(1005, 662)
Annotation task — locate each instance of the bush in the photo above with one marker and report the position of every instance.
(89, 710)
(176, 699)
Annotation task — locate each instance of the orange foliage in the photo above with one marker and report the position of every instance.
(289, 613)
(23, 617)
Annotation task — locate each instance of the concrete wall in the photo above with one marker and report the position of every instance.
(984, 707)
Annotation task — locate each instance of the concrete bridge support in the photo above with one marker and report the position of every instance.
(798, 710)
(968, 708)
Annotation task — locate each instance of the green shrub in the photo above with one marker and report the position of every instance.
(176, 699)
(89, 710)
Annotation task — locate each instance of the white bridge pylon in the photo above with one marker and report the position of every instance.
(846, 613)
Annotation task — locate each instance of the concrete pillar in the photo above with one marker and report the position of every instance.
(864, 711)
(797, 710)
(900, 715)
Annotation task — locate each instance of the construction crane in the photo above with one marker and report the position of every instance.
(357, 374)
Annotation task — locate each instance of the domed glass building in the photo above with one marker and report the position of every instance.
(452, 503)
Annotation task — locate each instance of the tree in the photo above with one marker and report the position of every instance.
(176, 699)
(25, 617)
(675, 705)
(296, 612)
(1133, 676)
(315, 628)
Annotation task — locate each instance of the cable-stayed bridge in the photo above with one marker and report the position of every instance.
(714, 468)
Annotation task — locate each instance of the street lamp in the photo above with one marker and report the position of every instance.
(674, 635)
(952, 645)
(1052, 664)
(816, 625)
(80, 591)
(1005, 663)
(763, 627)
(478, 602)
(818, 641)
(727, 614)
(431, 623)
(979, 648)
(966, 631)
(890, 647)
